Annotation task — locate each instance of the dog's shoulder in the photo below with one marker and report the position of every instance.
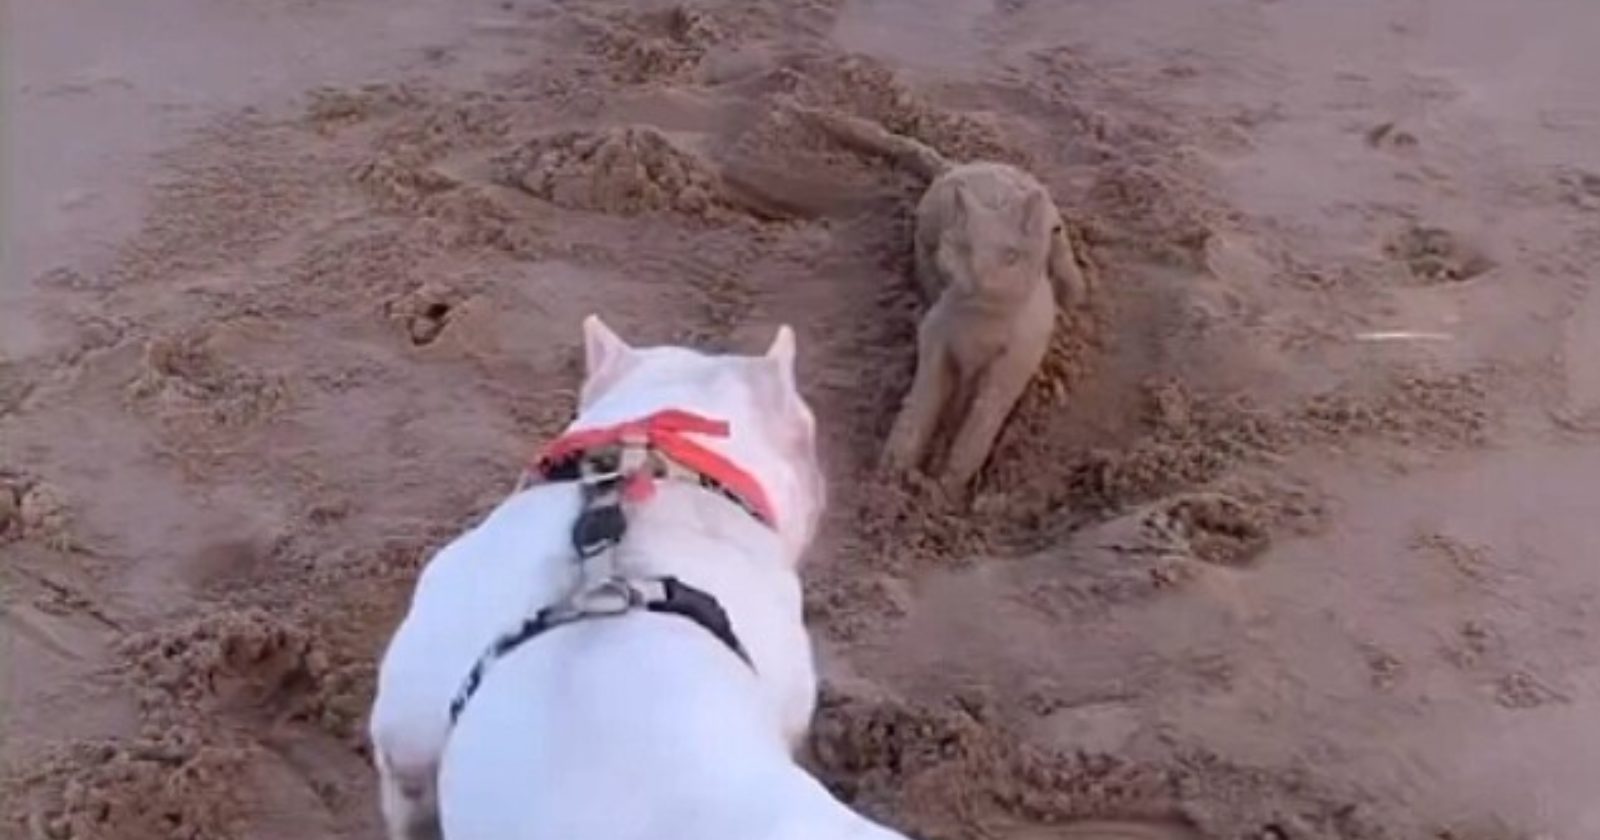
(484, 581)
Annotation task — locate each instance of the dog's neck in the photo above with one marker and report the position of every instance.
(743, 447)
(683, 519)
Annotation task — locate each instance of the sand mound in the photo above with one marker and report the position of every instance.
(951, 771)
(164, 786)
(185, 375)
(628, 170)
(960, 769)
(869, 89)
(246, 661)
(660, 46)
(1436, 255)
(30, 508)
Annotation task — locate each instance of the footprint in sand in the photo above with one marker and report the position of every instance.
(1214, 528)
(1437, 256)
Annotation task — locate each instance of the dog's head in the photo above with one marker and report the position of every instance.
(772, 431)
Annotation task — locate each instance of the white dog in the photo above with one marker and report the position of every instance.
(656, 689)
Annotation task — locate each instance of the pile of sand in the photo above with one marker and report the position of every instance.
(626, 171)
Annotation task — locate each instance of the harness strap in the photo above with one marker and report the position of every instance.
(666, 596)
(698, 606)
(613, 465)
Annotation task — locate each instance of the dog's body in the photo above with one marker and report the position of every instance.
(639, 725)
(991, 258)
(646, 727)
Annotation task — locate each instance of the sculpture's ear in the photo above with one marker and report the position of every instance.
(1038, 212)
(958, 202)
(605, 358)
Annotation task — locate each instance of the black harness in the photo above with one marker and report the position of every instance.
(600, 527)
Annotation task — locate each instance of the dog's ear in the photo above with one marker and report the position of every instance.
(795, 426)
(601, 346)
(781, 355)
(605, 358)
(782, 351)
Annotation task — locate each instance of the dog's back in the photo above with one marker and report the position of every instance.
(632, 729)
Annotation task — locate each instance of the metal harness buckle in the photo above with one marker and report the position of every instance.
(613, 596)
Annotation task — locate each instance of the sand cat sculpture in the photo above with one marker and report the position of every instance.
(991, 256)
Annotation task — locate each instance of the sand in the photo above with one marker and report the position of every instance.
(1293, 539)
